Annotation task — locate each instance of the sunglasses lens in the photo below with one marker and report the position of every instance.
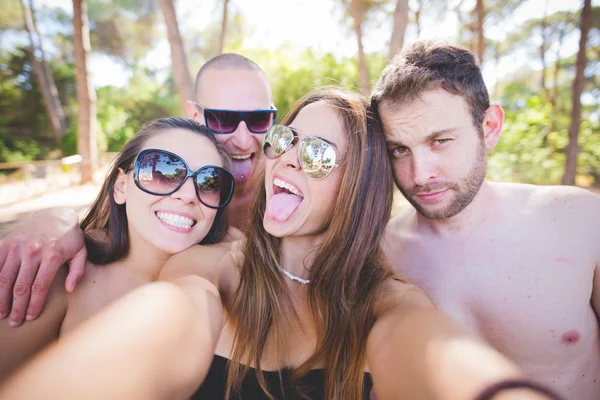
(222, 121)
(317, 157)
(277, 140)
(259, 122)
(215, 186)
(161, 173)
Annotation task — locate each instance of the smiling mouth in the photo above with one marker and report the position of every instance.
(281, 186)
(176, 220)
(241, 157)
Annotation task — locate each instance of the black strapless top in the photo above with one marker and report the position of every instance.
(312, 384)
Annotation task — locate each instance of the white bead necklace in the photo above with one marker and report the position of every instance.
(294, 277)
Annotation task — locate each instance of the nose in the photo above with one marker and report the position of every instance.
(187, 192)
(290, 157)
(422, 168)
(242, 137)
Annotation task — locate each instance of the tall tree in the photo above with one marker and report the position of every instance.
(357, 12)
(87, 145)
(572, 151)
(400, 23)
(480, 13)
(223, 26)
(181, 72)
(45, 80)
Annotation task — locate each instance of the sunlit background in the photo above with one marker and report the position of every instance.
(529, 55)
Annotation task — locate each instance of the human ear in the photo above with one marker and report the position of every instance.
(119, 187)
(492, 125)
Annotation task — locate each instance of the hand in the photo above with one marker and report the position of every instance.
(30, 257)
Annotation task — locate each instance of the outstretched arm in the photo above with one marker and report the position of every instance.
(30, 257)
(155, 343)
(415, 352)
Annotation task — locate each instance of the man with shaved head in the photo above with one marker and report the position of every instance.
(233, 98)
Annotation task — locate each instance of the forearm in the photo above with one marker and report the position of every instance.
(155, 343)
(424, 355)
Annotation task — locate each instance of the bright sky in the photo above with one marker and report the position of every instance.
(316, 24)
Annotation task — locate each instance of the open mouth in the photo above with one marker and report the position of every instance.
(242, 157)
(176, 220)
(285, 200)
(281, 186)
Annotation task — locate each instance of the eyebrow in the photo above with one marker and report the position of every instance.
(436, 134)
(319, 137)
(428, 138)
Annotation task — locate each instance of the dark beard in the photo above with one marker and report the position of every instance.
(465, 191)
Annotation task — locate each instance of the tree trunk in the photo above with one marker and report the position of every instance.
(223, 27)
(45, 80)
(480, 11)
(181, 72)
(87, 145)
(363, 72)
(418, 21)
(543, 47)
(578, 84)
(400, 23)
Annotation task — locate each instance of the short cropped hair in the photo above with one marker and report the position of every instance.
(429, 65)
(227, 61)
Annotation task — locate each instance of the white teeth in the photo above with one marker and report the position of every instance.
(241, 156)
(175, 220)
(285, 185)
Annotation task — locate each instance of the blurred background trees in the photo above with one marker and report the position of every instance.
(544, 70)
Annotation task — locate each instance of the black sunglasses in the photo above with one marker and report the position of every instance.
(226, 121)
(161, 173)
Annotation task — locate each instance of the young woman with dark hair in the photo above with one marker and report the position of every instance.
(146, 211)
(305, 308)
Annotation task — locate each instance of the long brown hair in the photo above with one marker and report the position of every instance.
(347, 271)
(105, 225)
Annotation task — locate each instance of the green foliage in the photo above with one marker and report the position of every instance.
(293, 76)
(25, 133)
(11, 17)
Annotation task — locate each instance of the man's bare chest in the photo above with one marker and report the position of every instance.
(530, 302)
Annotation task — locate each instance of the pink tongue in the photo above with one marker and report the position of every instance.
(282, 205)
(241, 169)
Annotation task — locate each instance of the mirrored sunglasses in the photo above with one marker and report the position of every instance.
(316, 156)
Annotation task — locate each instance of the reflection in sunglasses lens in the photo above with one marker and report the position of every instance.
(160, 172)
(222, 121)
(210, 185)
(259, 121)
(317, 157)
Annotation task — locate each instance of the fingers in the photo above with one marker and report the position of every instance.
(76, 270)
(8, 275)
(52, 260)
(22, 288)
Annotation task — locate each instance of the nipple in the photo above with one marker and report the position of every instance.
(570, 337)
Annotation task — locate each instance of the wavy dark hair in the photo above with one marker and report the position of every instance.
(105, 225)
(348, 269)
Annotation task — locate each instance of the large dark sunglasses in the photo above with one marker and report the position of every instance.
(227, 121)
(316, 156)
(161, 173)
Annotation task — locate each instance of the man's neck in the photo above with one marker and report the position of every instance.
(238, 209)
(464, 222)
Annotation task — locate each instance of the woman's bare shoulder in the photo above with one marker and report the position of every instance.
(397, 296)
(202, 260)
